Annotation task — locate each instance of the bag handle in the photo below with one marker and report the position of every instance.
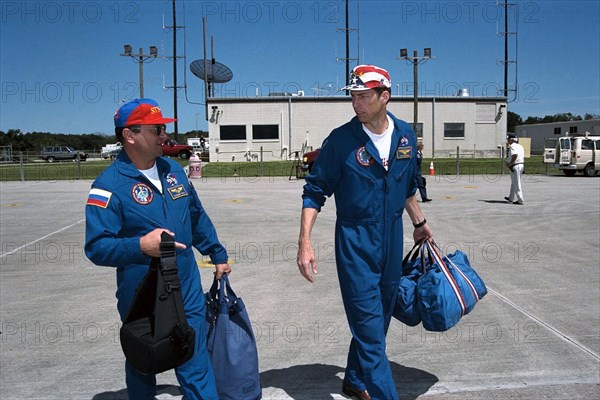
(412, 254)
(432, 248)
(226, 293)
(221, 291)
(465, 278)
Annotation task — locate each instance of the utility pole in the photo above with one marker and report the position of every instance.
(140, 58)
(176, 125)
(347, 59)
(415, 60)
(174, 27)
(507, 61)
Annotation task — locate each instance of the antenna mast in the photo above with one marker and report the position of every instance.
(347, 59)
(174, 27)
(507, 61)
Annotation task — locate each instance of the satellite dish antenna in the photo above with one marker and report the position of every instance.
(213, 71)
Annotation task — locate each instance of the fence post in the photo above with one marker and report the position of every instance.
(261, 161)
(21, 167)
(79, 166)
(457, 161)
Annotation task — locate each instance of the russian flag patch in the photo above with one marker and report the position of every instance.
(98, 197)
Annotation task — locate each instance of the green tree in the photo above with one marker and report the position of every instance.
(512, 121)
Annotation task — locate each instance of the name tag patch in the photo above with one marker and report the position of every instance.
(404, 152)
(177, 192)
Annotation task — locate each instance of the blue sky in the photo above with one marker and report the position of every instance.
(61, 71)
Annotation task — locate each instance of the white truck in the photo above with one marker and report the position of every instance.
(574, 153)
(111, 151)
(200, 145)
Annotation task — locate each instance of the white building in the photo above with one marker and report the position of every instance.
(540, 132)
(239, 128)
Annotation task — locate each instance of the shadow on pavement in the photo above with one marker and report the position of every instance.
(319, 381)
(495, 201)
(122, 394)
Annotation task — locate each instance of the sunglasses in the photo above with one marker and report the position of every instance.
(156, 129)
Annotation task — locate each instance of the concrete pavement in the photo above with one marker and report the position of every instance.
(536, 335)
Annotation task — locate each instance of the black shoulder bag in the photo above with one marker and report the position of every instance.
(155, 335)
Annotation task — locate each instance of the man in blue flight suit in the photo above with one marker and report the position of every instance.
(130, 204)
(369, 164)
(421, 182)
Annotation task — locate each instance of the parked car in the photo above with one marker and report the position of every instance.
(173, 149)
(308, 159)
(61, 153)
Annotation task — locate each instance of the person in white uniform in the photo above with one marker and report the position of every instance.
(516, 163)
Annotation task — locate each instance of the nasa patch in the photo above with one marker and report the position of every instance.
(172, 180)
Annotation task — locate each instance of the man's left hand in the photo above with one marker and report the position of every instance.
(221, 269)
(422, 233)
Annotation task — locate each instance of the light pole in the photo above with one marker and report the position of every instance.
(416, 60)
(140, 59)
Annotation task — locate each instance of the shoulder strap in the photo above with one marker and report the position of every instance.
(168, 258)
(170, 312)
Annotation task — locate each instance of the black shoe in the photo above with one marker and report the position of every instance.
(355, 393)
(507, 199)
(519, 203)
(425, 200)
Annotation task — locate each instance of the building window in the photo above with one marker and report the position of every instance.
(485, 112)
(454, 130)
(265, 132)
(573, 129)
(233, 132)
(557, 131)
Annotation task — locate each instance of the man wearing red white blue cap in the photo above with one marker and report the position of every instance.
(369, 165)
(130, 204)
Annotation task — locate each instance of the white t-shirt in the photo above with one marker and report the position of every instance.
(382, 142)
(516, 148)
(152, 175)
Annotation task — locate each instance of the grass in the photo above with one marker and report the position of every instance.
(89, 170)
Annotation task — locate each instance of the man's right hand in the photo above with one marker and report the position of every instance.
(306, 261)
(150, 242)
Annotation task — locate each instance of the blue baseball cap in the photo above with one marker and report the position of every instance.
(140, 112)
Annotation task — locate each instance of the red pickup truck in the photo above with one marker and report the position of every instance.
(173, 149)
(308, 159)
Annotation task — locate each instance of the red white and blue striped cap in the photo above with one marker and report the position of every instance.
(365, 77)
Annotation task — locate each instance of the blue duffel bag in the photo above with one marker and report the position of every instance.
(231, 344)
(406, 309)
(447, 289)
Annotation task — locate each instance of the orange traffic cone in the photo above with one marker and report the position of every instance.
(431, 170)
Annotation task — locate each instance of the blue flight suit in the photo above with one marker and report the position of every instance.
(123, 206)
(368, 238)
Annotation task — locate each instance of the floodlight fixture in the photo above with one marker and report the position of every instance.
(415, 60)
(140, 58)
